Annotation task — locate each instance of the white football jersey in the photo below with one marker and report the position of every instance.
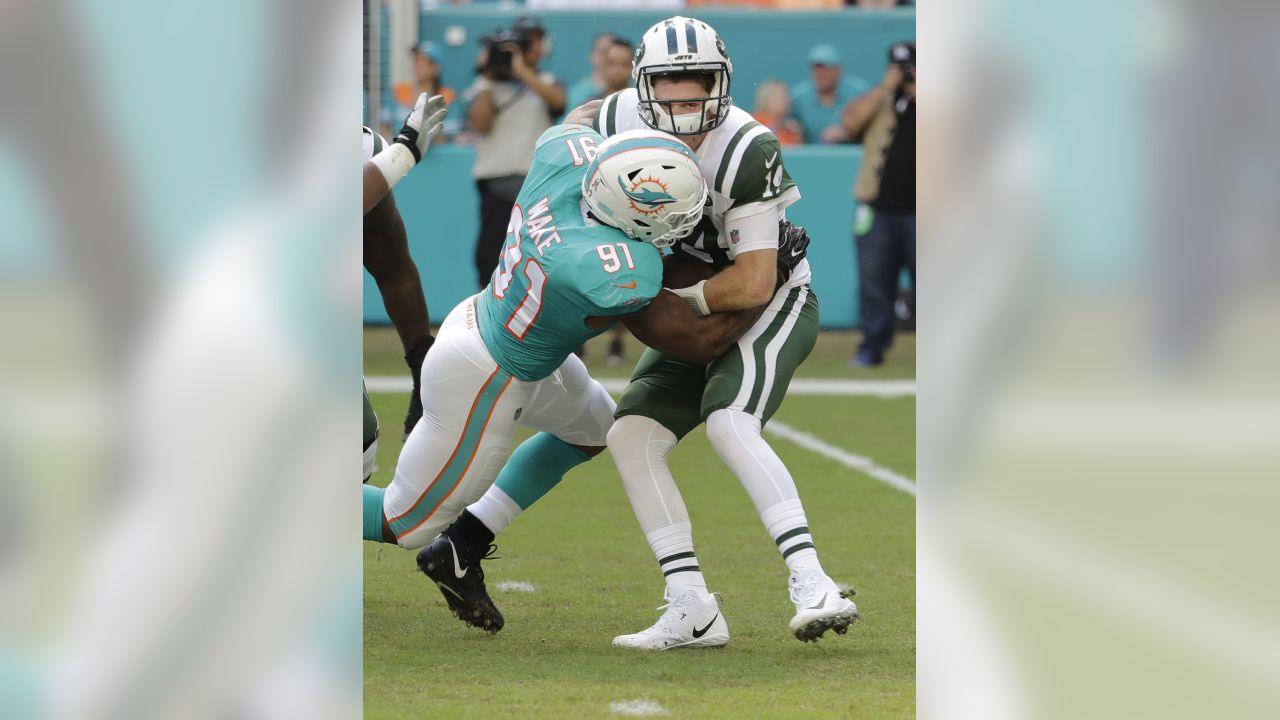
(373, 143)
(743, 166)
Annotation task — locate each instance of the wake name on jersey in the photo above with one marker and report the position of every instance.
(742, 162)
(558, 267)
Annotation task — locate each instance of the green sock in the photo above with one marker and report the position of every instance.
(373, 513)
(537, 466)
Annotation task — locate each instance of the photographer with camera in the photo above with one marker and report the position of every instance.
(884, 226)
(512, 103)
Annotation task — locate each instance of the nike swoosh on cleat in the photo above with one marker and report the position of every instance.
(699, 633)
(629, 286)
(821, 602)
(458, 572)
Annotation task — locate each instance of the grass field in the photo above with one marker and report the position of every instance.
(593, 577)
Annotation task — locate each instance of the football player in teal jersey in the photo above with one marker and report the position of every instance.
(582, 252)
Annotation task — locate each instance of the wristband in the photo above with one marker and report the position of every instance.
(394, 162)
(695, 297)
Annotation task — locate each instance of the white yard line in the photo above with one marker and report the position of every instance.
(799, 386)
(862, 464)
(830, 388)
(637, 708)
(516, 586)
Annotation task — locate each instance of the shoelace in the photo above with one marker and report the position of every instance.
(488, 555)
(804, 590)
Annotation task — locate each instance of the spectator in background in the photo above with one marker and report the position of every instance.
(817, 102)
(616, 70)
(512, 103)
(592, 86)
(426, 79)
(773, 110)
(884, 226)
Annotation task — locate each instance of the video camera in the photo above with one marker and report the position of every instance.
(903, 54)
(499, 64)
(520, 34)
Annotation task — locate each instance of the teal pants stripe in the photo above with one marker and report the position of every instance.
(461, 459)
(537, 466)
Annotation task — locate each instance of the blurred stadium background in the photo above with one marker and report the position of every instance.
(441, 213)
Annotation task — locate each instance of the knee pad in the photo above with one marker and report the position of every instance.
(637, 437)
(725, 427)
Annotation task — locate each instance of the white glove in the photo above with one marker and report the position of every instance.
(695, 297)
(424, 123)
(401, 155)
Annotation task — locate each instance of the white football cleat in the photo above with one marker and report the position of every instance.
(820, 606)
(689, 621)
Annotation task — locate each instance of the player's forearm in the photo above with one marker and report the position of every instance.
(406, 306)
(585, 113)
(375, 186)
(747, 283)
(670, 326)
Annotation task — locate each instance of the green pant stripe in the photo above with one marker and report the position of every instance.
(692, 568)
(799, 546)
(760, 349)
(462, 456)
(790, 534)
(791, 355)
(677, 556)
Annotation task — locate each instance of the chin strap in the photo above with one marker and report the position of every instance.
(695, 296)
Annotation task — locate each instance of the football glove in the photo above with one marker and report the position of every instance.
(424, 123)
(793, 246)
(414, 359)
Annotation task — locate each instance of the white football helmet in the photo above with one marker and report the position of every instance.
(647, 185)
(675, 46)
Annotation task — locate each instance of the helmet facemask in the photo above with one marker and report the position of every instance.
(714, 103)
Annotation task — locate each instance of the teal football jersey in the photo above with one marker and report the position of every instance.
(558, 267)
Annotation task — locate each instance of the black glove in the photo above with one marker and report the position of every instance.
(793, 246)
(414, 360)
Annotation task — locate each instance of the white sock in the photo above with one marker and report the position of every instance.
(640, 447)
(673, 547)
(495, 509)
(736, 437)
(788, 527)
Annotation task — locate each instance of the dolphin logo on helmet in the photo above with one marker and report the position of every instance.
(645, 196)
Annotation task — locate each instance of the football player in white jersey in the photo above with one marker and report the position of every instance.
(682, 78)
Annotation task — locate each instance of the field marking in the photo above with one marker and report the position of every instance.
(798, 386)
(637, 708)
(515, 586)
(864, 465)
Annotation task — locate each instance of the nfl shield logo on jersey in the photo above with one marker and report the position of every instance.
(733, 237)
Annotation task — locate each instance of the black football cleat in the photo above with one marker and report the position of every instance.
(455, 568)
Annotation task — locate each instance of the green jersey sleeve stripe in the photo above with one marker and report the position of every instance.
(728, 153)
(735, 157)
(611, 116)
